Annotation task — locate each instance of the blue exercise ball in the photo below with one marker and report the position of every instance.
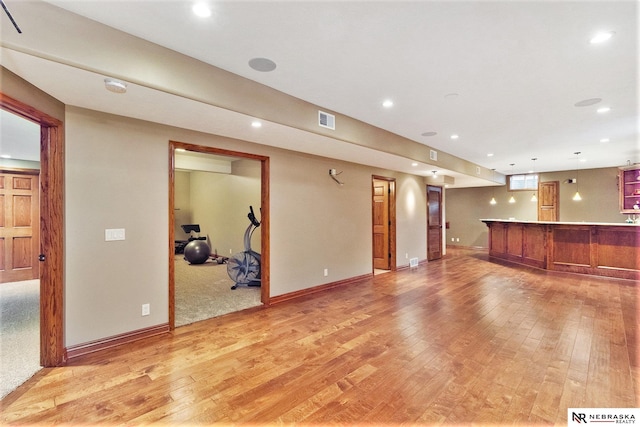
(197, 252)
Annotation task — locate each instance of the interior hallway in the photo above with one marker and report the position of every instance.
(453, 341)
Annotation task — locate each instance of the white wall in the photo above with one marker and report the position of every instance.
(117, 177)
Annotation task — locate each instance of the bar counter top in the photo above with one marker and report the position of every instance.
(608, 224)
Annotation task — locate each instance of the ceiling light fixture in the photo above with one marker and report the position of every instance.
(511, 199)
(387, 103)
(256, 124)
(115, 86)
(435, 174)
(577, 197)
(493, 196)
(201, 9)
(603, 110)
(489, 154)
(534, 198)
(5, 156)
(601, 37)
(414, 164)
(455, 136)
(604, 140)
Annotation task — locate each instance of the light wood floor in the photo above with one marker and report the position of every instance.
(456, 341)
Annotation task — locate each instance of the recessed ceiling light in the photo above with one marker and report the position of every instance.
(601, 37)
(256, 124)
(454, 136)
(490, 155)
(387, 103)
(604, 140)
(262, 64)
(5, 156)
(201, 9)
(414, 164)
(429, 133)
(603, 110)
(587, 102)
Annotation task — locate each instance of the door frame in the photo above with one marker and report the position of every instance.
(392, 220)
(265, 283)
(52, 351)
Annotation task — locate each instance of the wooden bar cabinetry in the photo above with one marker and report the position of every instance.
(589, 248)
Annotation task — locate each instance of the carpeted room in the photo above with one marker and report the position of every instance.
(214, 192)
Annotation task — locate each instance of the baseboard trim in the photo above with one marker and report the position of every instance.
(114, 341)
(315, 289)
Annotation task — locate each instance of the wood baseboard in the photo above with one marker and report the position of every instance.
(116, 340)
(319, 288)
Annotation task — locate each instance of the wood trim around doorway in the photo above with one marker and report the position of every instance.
(264, 219)
(52, 351)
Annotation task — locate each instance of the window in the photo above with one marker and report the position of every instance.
(523, 182)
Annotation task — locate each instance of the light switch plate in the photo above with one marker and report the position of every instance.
(111, 234)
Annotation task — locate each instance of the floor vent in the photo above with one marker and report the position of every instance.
(413, 262)
(326, 120)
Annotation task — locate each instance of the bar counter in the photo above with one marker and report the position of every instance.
(601, 249)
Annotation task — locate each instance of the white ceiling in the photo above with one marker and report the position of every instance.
(503, 75)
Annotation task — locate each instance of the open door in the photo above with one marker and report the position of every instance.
(434, 222)
(383, 220)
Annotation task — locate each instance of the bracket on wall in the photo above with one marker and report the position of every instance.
(333, 174)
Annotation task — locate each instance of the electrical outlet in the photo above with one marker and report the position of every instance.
(326, 272)
(146, 309)
(111, 234)
(452, 239)
(457, 239)
(230, 251)
(406, 255)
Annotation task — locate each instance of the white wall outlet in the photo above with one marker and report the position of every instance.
(406, 255)
(146, 309)
(230, 251)
(452, 239)
(326, 272)
(111, 234)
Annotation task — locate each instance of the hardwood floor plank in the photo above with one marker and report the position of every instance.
(457, 341)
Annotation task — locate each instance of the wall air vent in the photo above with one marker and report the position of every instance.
(326, 120)
(413, 262)
(433, 155)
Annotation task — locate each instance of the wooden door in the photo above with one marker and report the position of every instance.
(381, 248)
(548, 201)
(434, 222)
(19, 226)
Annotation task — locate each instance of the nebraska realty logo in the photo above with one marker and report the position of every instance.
(582, 416)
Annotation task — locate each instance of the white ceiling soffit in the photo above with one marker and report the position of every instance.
(85, 89)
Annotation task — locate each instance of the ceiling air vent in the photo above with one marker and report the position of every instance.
(326, 120)
(433, 155)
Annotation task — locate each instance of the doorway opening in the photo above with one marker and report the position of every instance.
(211, 190)
(434, 222)
(51, 219)
(383, 208)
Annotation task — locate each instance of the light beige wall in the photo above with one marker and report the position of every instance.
(117, 177)
(465, 206)
(182, 204)
(220, 204)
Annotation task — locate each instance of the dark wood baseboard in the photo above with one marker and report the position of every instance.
(116, 340)
(316, 289)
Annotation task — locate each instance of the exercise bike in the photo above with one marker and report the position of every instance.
(244, 267)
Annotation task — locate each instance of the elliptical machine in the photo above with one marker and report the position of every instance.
(244, 267)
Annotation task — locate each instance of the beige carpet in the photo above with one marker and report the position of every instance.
(204, 291)
(19, 333)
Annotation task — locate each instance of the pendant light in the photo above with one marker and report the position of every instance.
(577, 197)
(493, 196)
(511, 199)
(534, 198)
